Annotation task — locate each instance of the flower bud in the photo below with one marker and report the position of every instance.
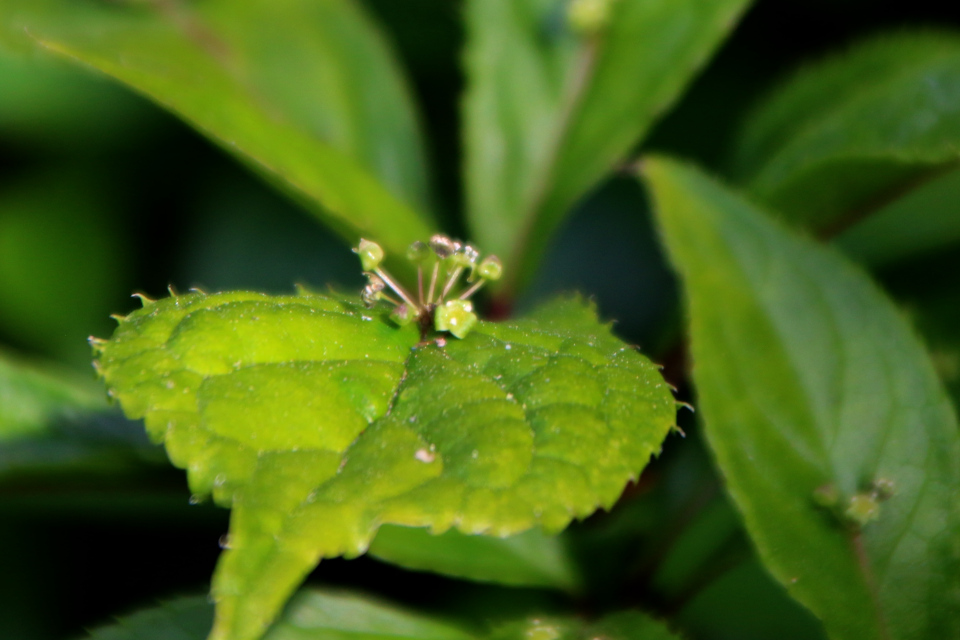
(371, 254)
(588, 17)
(455, 316)
(466, 256)
(443, 246)
(490, 268)
(418, 252)
(862, 509)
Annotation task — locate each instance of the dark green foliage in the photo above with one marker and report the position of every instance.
(501, 461)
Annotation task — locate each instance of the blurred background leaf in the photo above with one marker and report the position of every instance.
(31, 398)
(530, 559)
(547, 112)
(847, 134)
(62, 262)
(922, 221)
(188, 214)
(307, 94)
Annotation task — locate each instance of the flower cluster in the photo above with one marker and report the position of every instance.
(438, 304)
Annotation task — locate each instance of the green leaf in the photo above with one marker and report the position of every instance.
(809, 383)
(854, 130)
(312, 615)
(319, 420)
(55, 422)
(31, 397)
(53, 105)
(59, 249)
(926, 219)
(548, 113)
(307, 93)
(315, 614)
(624, 625)
(528, 559)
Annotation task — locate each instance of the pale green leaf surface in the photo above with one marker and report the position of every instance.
(307, 93)
(548, 113)
(924, 220)
(847, 133)
(528, 559)
(319, 420)
(807, 377)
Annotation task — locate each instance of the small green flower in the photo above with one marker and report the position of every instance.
(437, 305)
(371, 255)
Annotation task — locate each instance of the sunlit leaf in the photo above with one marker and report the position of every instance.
(548, 112)
(528, 559)
(319, 420)
(819, 403)
(307, 93)
(851, 132)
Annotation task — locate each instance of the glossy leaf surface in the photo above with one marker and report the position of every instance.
(849, 133)
(549, 112)
(307, 93)
(810, 383)
(319, 420)
(528, 559)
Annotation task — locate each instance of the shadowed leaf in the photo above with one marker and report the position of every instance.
(849, 133)
(549, 112)
(818, 403)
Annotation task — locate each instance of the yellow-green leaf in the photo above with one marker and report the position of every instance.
(318, 420)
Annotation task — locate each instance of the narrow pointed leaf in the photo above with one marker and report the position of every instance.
(307, 93)
(548, 113)
(811, 384)
(851, 132)
(528, 559)
(319, 420)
